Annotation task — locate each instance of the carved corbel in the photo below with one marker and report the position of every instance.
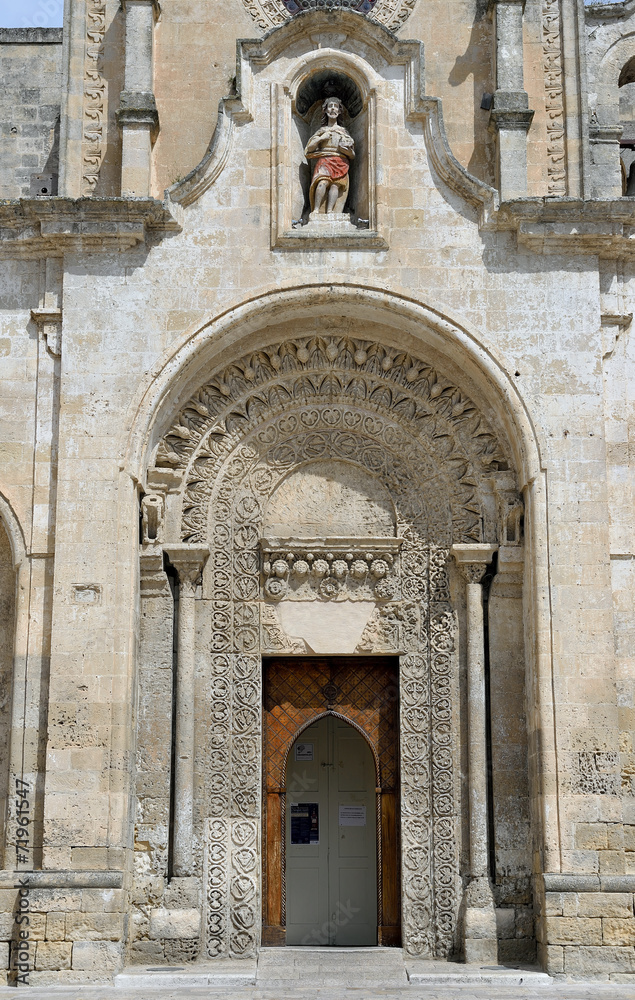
(49, 323)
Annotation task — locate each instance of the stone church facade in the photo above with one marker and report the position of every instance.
(318, 384)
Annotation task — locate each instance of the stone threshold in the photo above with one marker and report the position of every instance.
(422, 971)
(223, 972)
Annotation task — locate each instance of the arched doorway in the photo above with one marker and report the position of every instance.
(362, 693)
(348, 412)
(330, 845)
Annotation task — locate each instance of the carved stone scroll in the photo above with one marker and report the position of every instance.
(270, 13)
(554, 97)
(94, 96)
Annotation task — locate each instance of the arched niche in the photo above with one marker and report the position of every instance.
(321, 83)
(298, 99)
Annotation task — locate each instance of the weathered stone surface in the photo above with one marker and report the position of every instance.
(102, 957)
(571, 930)
(53, 955)
(176, 924)
(233, 435)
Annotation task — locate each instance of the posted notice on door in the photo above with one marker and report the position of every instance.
(352, 815)
(305, 823)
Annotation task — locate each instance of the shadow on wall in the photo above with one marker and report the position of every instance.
(477, 61)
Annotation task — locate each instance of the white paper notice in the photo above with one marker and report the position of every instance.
(304, 751)
(352, 815)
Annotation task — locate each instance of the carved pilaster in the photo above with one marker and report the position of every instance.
(188, 560)
(480, 918)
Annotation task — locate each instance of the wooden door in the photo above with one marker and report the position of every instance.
(357, 693)
(331, 848)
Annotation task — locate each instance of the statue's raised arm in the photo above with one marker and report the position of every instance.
(331, 149)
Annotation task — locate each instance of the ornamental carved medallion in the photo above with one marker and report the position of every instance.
(270, 13)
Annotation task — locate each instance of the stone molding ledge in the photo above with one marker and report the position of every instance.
(609, 11)
(571, 225)
(562, 882)
(62, 879)
(41, 227)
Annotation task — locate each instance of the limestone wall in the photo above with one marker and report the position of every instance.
(7, 620)
(31, 70)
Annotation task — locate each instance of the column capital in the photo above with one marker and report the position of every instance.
(188, 561)
(472, 559)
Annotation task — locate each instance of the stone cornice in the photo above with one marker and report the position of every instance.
(609, 11)
(571, 225)
(42, 227)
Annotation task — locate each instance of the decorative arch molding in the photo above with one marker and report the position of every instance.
(341, 397)
(276, 12)
(430, 332)
(14, 532)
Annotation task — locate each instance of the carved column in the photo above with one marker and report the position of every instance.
(480, 916)
(188, 560)
(137, 114)
(510, 116)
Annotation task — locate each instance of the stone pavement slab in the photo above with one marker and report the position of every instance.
(460, 991)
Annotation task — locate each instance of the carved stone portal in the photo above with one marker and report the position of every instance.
(408, 462)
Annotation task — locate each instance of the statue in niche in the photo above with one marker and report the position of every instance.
(331, 149)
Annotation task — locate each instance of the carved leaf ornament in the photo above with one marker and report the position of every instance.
(270, 13)
(245, 430)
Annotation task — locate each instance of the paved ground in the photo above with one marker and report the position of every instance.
(558, 991)
(326, 974)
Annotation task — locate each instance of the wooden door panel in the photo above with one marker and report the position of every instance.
(364, 692)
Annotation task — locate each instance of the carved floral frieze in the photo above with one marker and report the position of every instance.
(330, 568)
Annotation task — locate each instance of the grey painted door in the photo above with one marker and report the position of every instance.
(331, 851)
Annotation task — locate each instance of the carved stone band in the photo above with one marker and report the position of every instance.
(330, 567)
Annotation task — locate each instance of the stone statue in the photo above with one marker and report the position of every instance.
(331, 149)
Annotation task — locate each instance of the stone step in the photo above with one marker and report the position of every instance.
(222, 973)
(430, 973)
(378, 967)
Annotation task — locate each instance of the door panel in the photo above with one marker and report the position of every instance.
(332, 884)
(296, 690)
